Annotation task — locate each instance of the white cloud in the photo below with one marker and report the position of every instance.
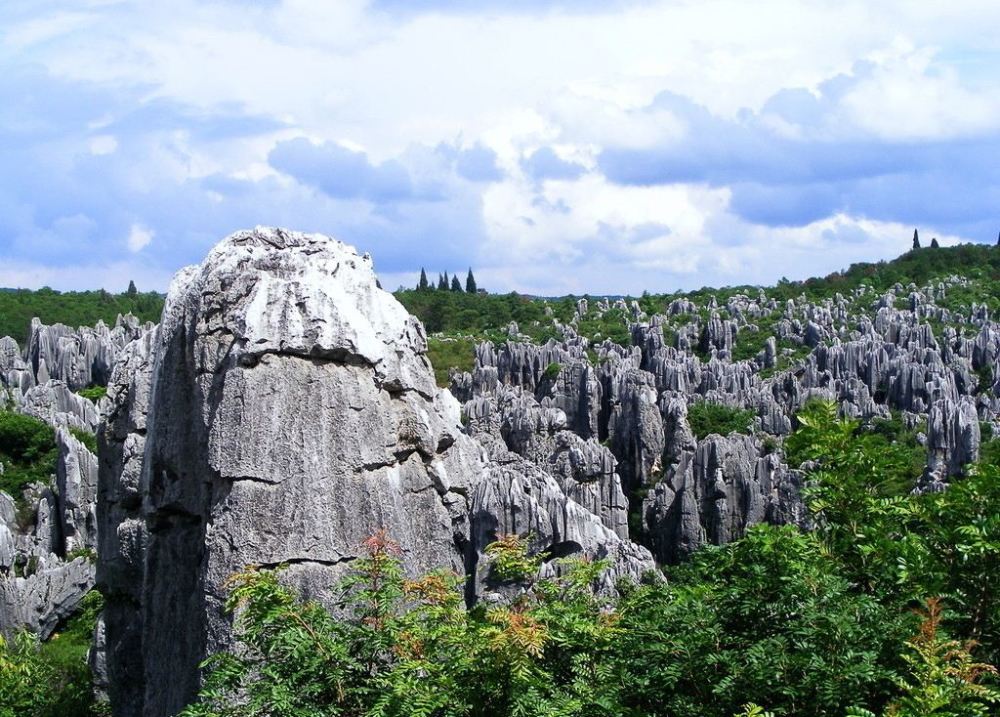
(395, 85)
(139, 238)
(103, 144)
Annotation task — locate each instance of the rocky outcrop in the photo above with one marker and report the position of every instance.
(283, 411)
(953, 439)
(78, 357)
(44, 598)
(712, 495)
(76, 486)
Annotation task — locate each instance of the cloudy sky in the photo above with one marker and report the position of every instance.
(586, 146)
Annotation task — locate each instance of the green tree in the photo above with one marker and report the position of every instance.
(131, 292)
(916, 240)
(422, 284)
(470, 282)
(456, 285)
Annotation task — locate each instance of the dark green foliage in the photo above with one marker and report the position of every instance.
(768, 618)
(450, 353)
(897, 546)
(841, 443)
(27, 451)
(409, 648)
(51, 679)
(442, 282)
(94, 393)
(456, 285)
(916, 240)
(73, 308)
(551, 371)
(809, 624)
(454, 312)
(707, 418)
(934, 243)
(131, 291)
(470, 283)
(422, 285)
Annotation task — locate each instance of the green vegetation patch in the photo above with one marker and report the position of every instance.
(73, 308)
(707, 418)
(94, 393)
(86, 438)
(450, 353)
(27, 450)
(52, 679)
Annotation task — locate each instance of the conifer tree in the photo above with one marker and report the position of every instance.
(456, 285)
(916, 240)
(998, 239)
(132, 291)
(443, 282)
(471, 288)
(934, 243)
(422, 285)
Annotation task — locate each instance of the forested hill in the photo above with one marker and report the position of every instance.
(482, 313)
(447, 310)
(73, 308)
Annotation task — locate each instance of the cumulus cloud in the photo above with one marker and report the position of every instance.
(544, 164)
(139, 238)
(341, 172)
(554, 146)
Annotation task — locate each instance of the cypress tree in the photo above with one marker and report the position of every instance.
(422, 285)
(456, 285)
(998, 239)
(471, 288)
(131, 291)
(916, 240)
(934, 244)
(443, 282)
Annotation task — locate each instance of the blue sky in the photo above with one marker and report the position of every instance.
(555, 147)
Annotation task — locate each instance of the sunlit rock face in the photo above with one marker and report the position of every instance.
(283, 411)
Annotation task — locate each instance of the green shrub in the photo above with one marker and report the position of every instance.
(706, 418)
(27, 451)
(94, 393)
(450, 353)
(87, 438)
(551, 371)
(51, 679)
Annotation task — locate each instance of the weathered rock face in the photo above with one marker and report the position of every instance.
(282, 412)
(953, 439)
(715, 493)
(48, 596)
(41, 583)
(78, 357)
(76, 486)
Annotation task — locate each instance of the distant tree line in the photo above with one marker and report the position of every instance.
(446, 284)
(73, 308)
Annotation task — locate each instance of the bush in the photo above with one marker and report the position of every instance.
(450, 353)
(706, 418)
(94, 393)
(27, 451)
(51, 679)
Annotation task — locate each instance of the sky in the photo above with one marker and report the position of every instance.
(599, 147)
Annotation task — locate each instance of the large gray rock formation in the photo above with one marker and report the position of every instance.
(78, 357)
(712, 495)
(283, 411)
